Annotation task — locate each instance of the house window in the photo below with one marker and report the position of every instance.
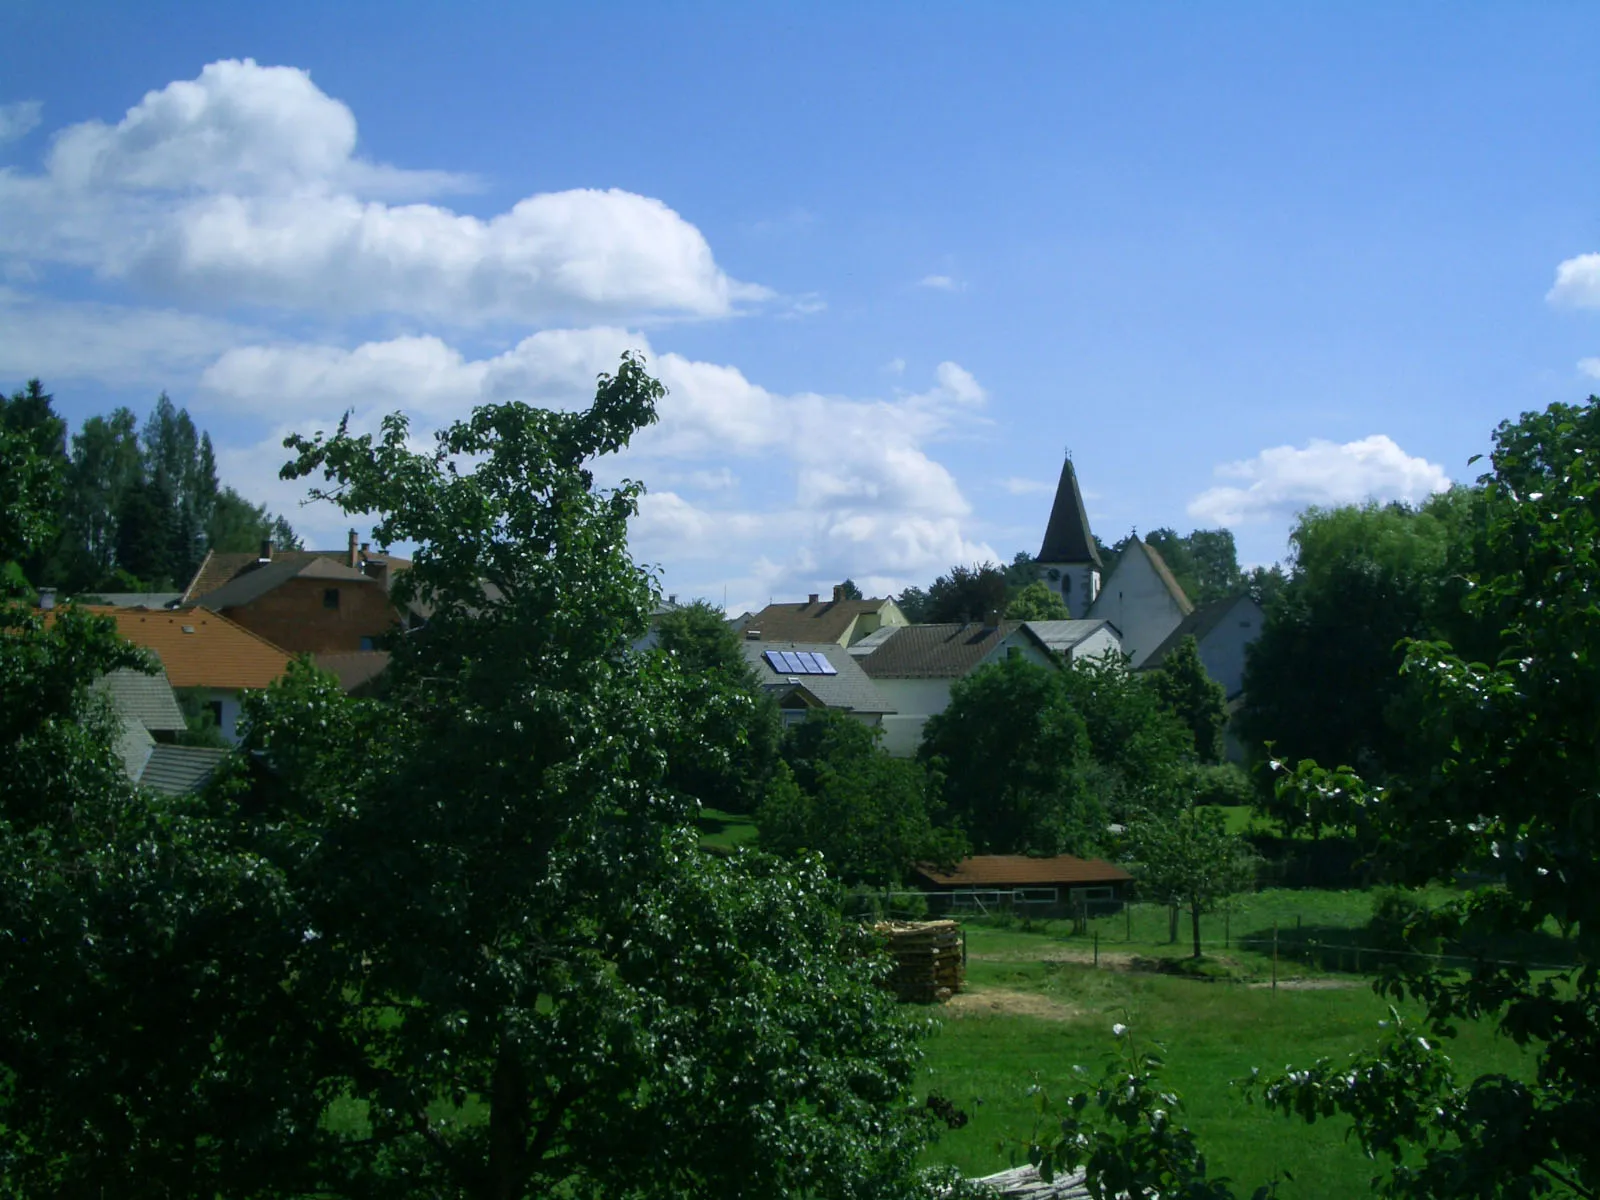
(367, 644)
(330, 597)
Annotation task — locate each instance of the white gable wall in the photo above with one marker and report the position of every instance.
(1138, 603)
(913, 701)
(1098, 644)
(1222, 650)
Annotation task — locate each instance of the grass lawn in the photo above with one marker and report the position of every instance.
(718, 828)
(1028, 1019)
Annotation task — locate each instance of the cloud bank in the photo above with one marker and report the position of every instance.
(243, 186)
(1279, 482)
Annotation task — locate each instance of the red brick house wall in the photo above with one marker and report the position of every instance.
(295, 616)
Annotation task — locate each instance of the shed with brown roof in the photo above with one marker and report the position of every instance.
(1003, 872)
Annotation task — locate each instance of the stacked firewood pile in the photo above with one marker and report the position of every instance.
(929, 959)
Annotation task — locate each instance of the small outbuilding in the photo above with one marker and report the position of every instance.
(1059, 884)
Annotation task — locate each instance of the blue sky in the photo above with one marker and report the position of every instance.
(891, 259)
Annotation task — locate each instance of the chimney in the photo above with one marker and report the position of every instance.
(672, 600)
(991, 619)
(813, 599)
(266, 550)
(353, 548)
(838, 592)
(47, 599)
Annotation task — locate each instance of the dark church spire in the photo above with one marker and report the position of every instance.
(1067, 538)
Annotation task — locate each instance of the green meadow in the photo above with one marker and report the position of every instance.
(1034, 1011)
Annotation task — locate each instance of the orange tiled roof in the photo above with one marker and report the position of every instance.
(199, 648)
(1017, 870)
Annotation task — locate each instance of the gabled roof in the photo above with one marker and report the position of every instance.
(132, 745)
(1067, 538)
(218, 569)
(252, 585)
(1063, 636)
(1197, 625)
(147, 699)
(849, 690)
(200, 648)
(1164, 573)
(823, 621)
(935, 651)
(178, 770)
(868, 644)
(135, 599)
(354, 669)
(1012, 870)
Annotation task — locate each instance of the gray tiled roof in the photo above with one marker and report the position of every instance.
(1197, 625)
(132, 745)
(147, 699)
(850, 690)
(824, 621)
(251, 585)
(873, 640)
(935, 651)
(177, 770)
(1062, 636)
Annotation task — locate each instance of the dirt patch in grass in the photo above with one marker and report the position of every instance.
(1313, 985)
(1004, 1002)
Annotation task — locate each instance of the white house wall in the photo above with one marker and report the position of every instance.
(1138, 603)
(914, 701)
(1097, 645)
(1223, 650)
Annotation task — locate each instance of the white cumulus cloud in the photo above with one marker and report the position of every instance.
(850, 486)
(244, 186)
(940, 283)
(19, 119)
(1577, 282)
(1282, 480)
(111, 344)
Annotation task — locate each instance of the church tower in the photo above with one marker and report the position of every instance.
(1068, 561)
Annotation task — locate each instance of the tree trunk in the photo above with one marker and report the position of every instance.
(508, 1127)
(1172, 923)
(1194, 917)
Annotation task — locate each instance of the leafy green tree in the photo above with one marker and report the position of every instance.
(1506, 793)
(913, 602)
(1193, 697)
(1140, 752)
(460, 943)
(729, 745)
(966, 594)
(1322, 682)
(1037, 602)
(1190, 861)
(849, 591)
(31, 470)
(866, 813)
(1012, 753)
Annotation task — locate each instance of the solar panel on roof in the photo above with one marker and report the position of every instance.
(799, 662)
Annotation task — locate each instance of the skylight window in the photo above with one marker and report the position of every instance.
(799, 662)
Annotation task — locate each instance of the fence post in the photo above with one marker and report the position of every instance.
(1127, 914)
(1097, 947)
(1274, 958)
